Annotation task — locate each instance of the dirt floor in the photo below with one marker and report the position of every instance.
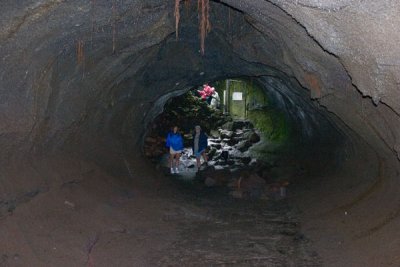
(135, 215)
(142, 217)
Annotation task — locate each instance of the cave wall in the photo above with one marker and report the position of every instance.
(354, 54)
(84, 73)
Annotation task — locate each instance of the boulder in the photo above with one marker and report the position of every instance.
(225, 155)
(211, 153)
(238, 125)
(243, 146)
(227, 126)
(239, 133)
(214, 134)
(225, 134)
(233, 141)
(252, 137)
(230, 162)
(217, 146)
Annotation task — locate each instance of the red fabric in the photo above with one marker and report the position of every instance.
(206, 92)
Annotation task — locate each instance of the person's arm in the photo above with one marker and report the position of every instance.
(203, 140)
(193, 135)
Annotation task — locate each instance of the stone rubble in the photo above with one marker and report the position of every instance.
(230, 163)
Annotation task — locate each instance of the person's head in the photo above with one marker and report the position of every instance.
(175, 129)
(197, 128)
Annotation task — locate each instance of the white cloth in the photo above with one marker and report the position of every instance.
(173, 152)
(215, 100)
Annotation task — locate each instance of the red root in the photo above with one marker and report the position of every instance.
(80, 55)
(204, 24)
(203, 7)
(177, 18)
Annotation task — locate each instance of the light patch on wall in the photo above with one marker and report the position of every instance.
(238, 96)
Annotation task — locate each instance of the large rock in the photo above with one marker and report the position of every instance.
(243, 146)
(212, 153)
(252, 137)
(226, 134)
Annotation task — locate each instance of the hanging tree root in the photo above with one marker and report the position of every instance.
(203, 7)
(177, 18)
(80, 55)
(204, 24)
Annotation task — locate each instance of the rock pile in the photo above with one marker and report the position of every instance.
(230, 144)
(231, 165)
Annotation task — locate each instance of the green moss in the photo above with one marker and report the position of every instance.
(257, 108)
(271, 123)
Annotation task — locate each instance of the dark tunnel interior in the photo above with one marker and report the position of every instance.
(81, 82)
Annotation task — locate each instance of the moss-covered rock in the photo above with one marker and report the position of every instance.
(271, 123)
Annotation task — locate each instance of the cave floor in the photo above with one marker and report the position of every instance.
(99, 219)
(217, 230)
(117, 210)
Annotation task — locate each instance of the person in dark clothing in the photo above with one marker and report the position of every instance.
(175, 145)
(200, 144)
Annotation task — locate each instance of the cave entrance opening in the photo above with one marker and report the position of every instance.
(240, 122)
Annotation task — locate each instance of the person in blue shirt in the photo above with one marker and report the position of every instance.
(200, 144)
(175, 145)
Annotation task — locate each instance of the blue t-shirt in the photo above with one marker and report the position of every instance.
(175, 141)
